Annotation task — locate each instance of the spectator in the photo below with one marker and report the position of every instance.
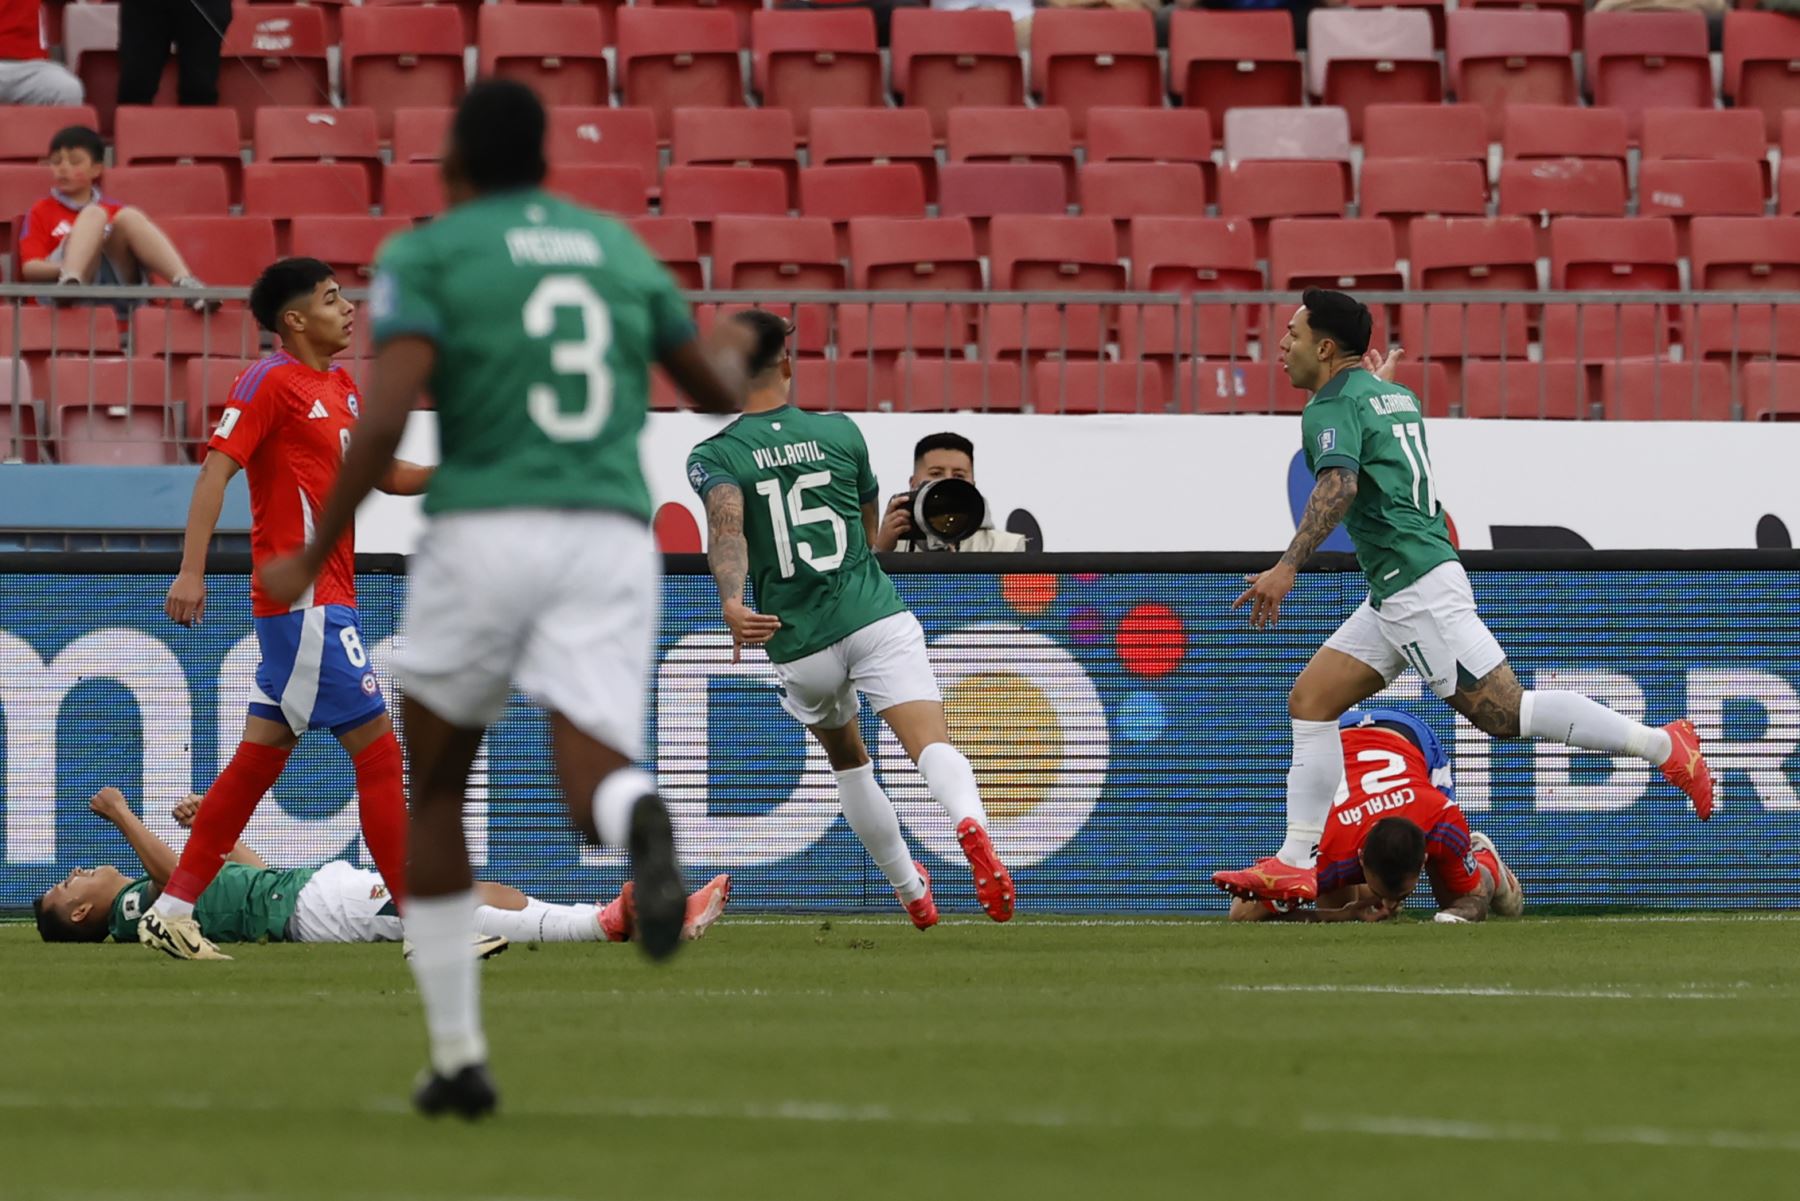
(75, 235)
(147, 28)
(27, 76)
(936, 457)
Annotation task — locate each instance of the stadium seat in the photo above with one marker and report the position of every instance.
(1500, 59)
(21, 414)
(1224, 60)
(980, 191)
(861, 190)
(284, 191)
(1012, 135)
(1545, 189)
(1310, 134)
(401, 57)
(672, 58)
(275, 55)
(1640, 60)
(1762, 65)
(1706, 134)
(1356, 57)
(674, 241)
(1238, 386)
(1441, 132)
(1770, 391)
(1434, 384)
(875, 136)
(1153, 135)
(1473, 253)
(883, 333)
(1614, 254)
(837, 386)
(806, 60)
(91, 49)
(599, 134)
(347, 243)
(947, 60)
(1433, 10)
(1746, 254)
(197, 190)
(412, 190)
(26, 129)
(1552, 390)
(420, 134)
(1054, 254)
(738, 137)
(1450, 335)
(775, 253)
(1688, 188)
(619, 188)
(893, 254)
(1353, 254)
(953, 385)
(1402, 189)
(1186, 255)
(21, 186)
(178, 336)
(1540, 131)
(558, 49)
(1082, 386)
(1126, 190)
(1596, 334)
(320, 135)
(1263, 191)
(1092, 58)
(702, 193)
(1028, 334)
(40, 335)
(1665, 391)
(179, 136)
(208, 382)
(112, 411)
(1737, 334)
(1569, 10)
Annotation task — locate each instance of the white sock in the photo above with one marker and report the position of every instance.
(952, 783)
(614, 800)
(538, 922)
(871, 815)
(441, 930)
(1312, 784)
(169, 906)
(1573, 719)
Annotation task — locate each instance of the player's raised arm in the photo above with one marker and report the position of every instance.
(186, 602)
(156, 855)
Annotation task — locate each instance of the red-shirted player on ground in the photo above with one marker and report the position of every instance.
(1397, 820)
(287, 422)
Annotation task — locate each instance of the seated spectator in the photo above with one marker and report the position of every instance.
(27, 76)
(147, 28)
(77, 236)
(936, 457)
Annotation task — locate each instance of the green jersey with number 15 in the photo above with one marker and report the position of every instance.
(805, 478)
(546, 317)
(1375, 428)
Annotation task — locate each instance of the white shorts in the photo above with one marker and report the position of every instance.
(562, 604)
(885, 661)
(1430, 625)
(342, 903)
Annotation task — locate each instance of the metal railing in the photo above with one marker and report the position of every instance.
(131, 375)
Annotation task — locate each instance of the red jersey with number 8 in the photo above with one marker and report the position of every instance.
(288, 427)
(1386, 776)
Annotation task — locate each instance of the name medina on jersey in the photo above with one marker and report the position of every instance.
(788, 454)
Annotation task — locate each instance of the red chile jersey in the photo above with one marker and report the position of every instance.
(288, 427)
(1386, 776)
(48, 222)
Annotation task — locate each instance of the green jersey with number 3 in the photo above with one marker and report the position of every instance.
(546, 317)
(1375, 428)
(242, 904)
(805, 478)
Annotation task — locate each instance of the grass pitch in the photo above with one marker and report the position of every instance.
(785, 1059)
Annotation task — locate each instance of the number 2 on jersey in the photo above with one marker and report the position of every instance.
(796, 509)
(584, 356)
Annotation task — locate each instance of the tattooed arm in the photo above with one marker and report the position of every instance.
(1330, 500)
(1470, 906)
(729, 557)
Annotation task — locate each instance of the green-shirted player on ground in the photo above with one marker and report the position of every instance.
(1364, 438)
(791, 509)
(533, 323)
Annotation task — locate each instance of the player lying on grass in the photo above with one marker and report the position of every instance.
(1398, 818)
(248, 901)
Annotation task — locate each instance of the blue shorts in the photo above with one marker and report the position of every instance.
(315, 671)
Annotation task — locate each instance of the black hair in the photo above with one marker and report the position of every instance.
(498, 134)
(79, 137)
(1340, 317)
(943, 441)
(54, 927)
(1393, 852)
(280, 285)
(771, 332)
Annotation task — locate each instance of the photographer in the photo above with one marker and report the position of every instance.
(939, 457)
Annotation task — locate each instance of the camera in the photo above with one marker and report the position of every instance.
(944, 512)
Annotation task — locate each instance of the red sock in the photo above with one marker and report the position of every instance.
(231, 800)
(381, 801)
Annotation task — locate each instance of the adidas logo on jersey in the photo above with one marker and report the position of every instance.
(318, 411)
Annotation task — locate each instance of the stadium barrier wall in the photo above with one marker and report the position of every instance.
(1129, 729)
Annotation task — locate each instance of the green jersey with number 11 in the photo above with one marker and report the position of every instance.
(805, 478)
(546, 317)
(1375, 428)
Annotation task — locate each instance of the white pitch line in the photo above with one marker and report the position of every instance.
(1432, 990)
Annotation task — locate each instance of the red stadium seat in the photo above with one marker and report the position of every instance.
(330, 10)
(889, 254)
(320, 135)
(947, 60)
(1486, 253)
(1029, 334)
(885, 332)
(348, 244)
(401, 57)
(1553, 390)
(1434, 384)
(1740, 333)
(1402, 189)
(1092, 58)
(112, 411)
(1501, 58)
(619, 188)
(196, 191)
(1762, 65)
(91, 49)
(702, 193)
(275, 55)
(223, 251)
(1614, 254)
(1569, 10)
(1771, 391)
(674, 241)
(1640, 60)
(861, 190)
(1055, 254)
(738, 137)
(598, 134)
(777, 253)
(288, 190)
(1433, 10)
(1455, 331)
(1596, 334)
(558, 49)
(180, 136)
(1153, 135)
(1239, 386)
(1665, 391)
(420, 134)
(1687, 188)
(1309, 134)
(875, 136)
(1224, 60)
(674, 58)
(1548, 188)
(837, 386)
(1126, 190)
(39, 335)
(979, 191)
(26, 129)
(412, 190)
(21, 186)
(1188, 255)
(179, 336)
(208, 387)
(609, 13)
(1745, 254)
(1012, 135)
(823, 59)
(1081, 386)
(1263, 191)
(1442, 132)
(1356, 57)
(951, 385)
(1538, 131)
(1706, 134)
(1349, 253)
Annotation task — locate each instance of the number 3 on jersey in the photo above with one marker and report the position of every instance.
(796, 509)
(584, 356)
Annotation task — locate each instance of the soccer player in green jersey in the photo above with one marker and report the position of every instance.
(1364, 438)
(533, 323)
(791, 508)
